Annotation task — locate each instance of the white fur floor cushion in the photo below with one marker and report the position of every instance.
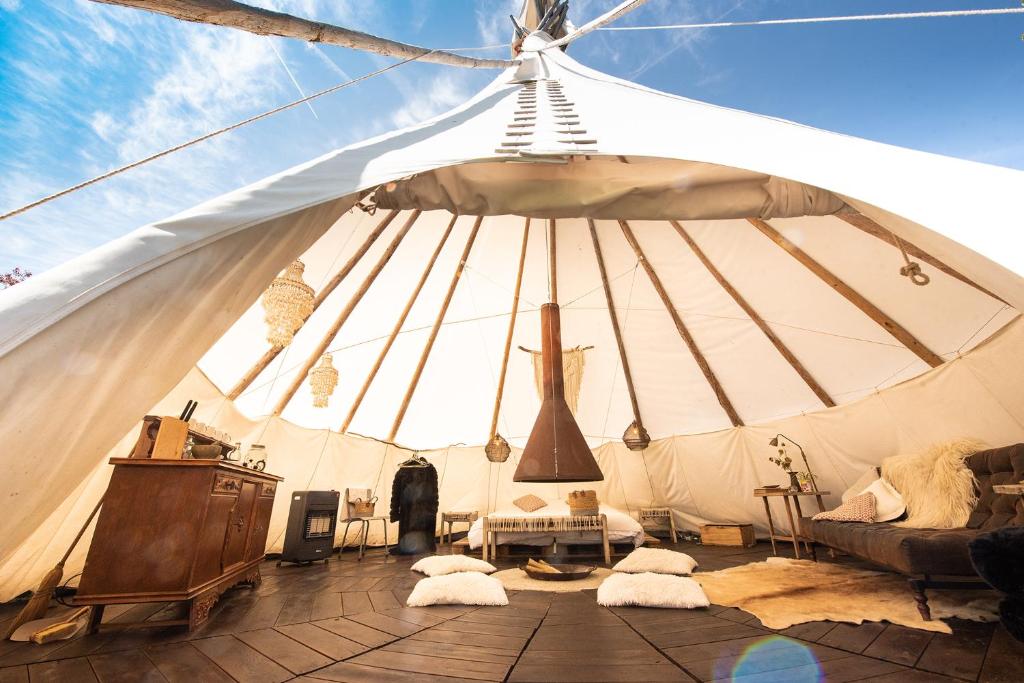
(461, 588)
(657, 560)
(651, 590)
(437, 565)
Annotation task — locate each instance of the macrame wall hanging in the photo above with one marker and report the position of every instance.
(573, 362)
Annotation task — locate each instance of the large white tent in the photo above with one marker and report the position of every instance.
(764, 235)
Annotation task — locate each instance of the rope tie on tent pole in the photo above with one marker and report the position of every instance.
(912, 269)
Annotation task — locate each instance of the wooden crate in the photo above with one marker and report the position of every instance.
(739, 535)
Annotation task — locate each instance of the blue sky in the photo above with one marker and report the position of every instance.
(85, 87)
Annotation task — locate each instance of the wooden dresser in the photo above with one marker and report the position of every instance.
(174, 530)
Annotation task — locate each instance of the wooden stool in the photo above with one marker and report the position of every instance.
(451, 518)
(658, 519)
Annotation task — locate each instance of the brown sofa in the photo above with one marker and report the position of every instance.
(934, 558)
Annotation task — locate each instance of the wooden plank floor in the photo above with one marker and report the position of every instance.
(346, 621)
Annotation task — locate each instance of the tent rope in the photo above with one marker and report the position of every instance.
(911, 269)
(821, 20)
(201, 138)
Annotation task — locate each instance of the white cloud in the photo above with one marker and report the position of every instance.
(442, 93)
(103, 124)
(493, 23)
(10, 5)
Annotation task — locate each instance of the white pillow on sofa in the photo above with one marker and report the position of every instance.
(651, 590)
(438, 565)
(461, 588)
(656, 560)
(858, 487)
(888, 502)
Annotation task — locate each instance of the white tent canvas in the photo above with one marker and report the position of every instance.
(171, 311)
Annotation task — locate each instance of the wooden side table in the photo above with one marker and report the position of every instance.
(658, 519)
(451, 518)
(784, 493)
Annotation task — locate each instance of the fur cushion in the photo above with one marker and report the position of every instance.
(998, 556)
(859, 509)
(530, 503)
(651, 590)
(461, 588)
(869, 477)
(656, 560)
(889, 503)
(937, 485)
(438, 565)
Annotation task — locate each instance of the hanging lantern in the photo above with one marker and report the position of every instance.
(636, 437)
(497, 449)
(287, 303)
(322, 380)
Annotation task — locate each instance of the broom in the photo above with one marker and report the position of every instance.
(40, 600)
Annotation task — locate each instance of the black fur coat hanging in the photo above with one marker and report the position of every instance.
(414, 507)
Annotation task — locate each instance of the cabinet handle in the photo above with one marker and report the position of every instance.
(239, 522)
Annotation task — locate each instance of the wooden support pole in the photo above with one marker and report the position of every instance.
(702, 362)
(615, 324)
(552, 262)
(265, 22)
(333, 330)
(862, 222)
(793, 361)
(848, 293)
(437, 327)
(398, 325)
(273, 351)
(511, 328)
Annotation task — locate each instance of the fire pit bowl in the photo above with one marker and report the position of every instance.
(567, 572)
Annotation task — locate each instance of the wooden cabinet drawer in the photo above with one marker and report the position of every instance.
(226, 485)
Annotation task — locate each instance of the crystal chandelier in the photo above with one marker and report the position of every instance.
(322, 380)
(287, 302)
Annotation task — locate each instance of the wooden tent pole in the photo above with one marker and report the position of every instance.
(511, 328)
(333, 330)
(267, 22)
(862, 222)
(702, 362)
(398, 325)
(615, 325)
(437, 327)
(793, 361)
(552, 262)
(273, 351)
(848, 293)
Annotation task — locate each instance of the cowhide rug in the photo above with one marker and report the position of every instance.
(783, 592)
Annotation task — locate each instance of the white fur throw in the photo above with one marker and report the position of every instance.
(651, 590)
(461, 588)
(657, 560)
(438, 565)
(936, 485)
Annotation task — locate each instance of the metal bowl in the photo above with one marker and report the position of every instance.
(568, 572)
